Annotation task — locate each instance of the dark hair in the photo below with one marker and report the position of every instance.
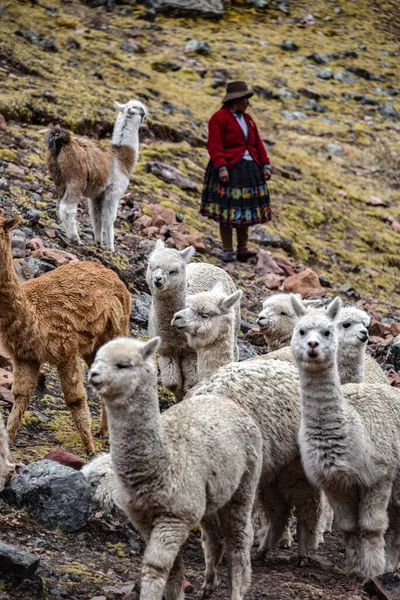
(229, 104)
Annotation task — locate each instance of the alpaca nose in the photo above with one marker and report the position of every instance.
(177, 321)
(94, 377)
(313, 344)
(261, 321)
(158, 280)
(363, 335)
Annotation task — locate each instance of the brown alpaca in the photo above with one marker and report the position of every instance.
(58, 318)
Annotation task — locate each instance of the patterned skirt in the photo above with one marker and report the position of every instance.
(244, 200)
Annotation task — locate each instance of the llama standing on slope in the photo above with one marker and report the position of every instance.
(349, 442)
(170, 278)
(168, 482)
(80, 168)
(57, 318)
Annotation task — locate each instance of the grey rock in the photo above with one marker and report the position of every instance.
(265, 93)
(360, 72)
(258, 3)
(334, 149)
(287, 94)
(17, 563)
(198, 46)
(349, 291)
(350, 53)
(312, 94)
(18, 243)
(163, 66)
(4, 185)
(31, 214)
(390, 112)
(344, 77)
(265, 238)
(140, 309)
(289, 46)
(129, 47)
(319, 59)
(170, 174)
(246, 350)
(324, 73)
(51, 494)
(208, 9)
(315, 106)
(393, 355)
(293, 115)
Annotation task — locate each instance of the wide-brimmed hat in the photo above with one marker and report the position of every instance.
(236, 90)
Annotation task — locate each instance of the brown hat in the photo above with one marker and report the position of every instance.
(236, 90)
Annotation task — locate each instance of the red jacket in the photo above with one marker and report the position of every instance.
(226, 142)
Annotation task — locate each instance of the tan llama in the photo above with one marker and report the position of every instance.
(58, 318)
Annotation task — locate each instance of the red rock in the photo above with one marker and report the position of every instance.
(376, 339)
(50, 234)
(272, 281)
(341, 193)
(3, 123)
(305, 283)
(174, 197)
(151, 231)
(65, 458)
(181, 239)
(394, 329)
(15, 169)
(195, 240)
(6, 395)
(162, 215)
(55, 256)
(375, 201)
(266, 264)
(6, 378)
(143, 222)
(377, 328)
(285, 266)
(35, 244)
(170, 242)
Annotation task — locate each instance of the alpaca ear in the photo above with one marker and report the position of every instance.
(297, 305)
(150, 347)
(218, 288)
(159, 245)
(231, 300)
(334, 308)
(188, 253)
(11, 223)
(119, 106)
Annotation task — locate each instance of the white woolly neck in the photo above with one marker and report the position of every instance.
(126, 131)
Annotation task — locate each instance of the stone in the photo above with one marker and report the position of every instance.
(385, 586)
(51, 494)
(375, 201)
(395, 329)
(170, 174)
(194, 239)
(162, 215)
(143, 222)
(315, 106)
(349, 291)
(246, 350)
(289, 46)
(35, 244)
(285, 94)
(199, 47)
(265, 93)
(271, 281)
(259, 234)
(63, 457)
(130, 47)
(319, 59)
(344, 77)
(163, 66)
(334, 149)
(3, 123)
(390, 112)
(266, 264)
(285, 266)
(31, 214)
(312, 94)
(140, 309)
(17, 563)
(4, 185)
(208, 9)
(18, 243)
(31, 268)
(6, 395)
(15, 169)
(324, 73)
(54, 256)
(293, 115)
(305, 283)
(6, 378)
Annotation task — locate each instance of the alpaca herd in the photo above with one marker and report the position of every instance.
(311, 429)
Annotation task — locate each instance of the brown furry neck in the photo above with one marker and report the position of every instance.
(126, 157)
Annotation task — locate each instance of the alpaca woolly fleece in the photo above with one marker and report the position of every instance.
(101, 476)
(349, 439)
(170, 278)
(4, 452)
(58, 318)
(169, 482)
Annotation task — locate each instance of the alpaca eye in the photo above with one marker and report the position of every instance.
(346, 325)
(302, 332)
(327, 333)
(123, 365)
(203, 315)
(173, 272)
(283, 314)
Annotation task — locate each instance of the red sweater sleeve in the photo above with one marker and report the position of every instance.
(214, 144)
(261, 151)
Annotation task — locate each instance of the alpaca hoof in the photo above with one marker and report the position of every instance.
(101, 433)
(207, 589)
(90, 453)
(259, 557)
(187, 586)
(285, 544)
(303, 561)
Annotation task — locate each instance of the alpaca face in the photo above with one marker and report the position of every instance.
(121, 367)
(132, 110)
(166, 269)
(277, 316)
(353, 327)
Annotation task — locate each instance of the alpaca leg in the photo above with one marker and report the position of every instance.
(189, 372)
(310, 520)
(392, 539)
(277, 512)
(373, 521)
(71, 377)
(171, 375)
(160, 555)
(174, 589)
(67, 210)
(287, 539)
(109, 214)
(102, 431)
(213, 547)
(345, 507)
(95, 216)
(25, 377)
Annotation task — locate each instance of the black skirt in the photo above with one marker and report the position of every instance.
(244, 200)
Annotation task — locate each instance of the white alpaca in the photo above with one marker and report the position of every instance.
(169, 482)
(101, 476)
(349, 441)
(4, 465)
(80, 168)
(209, 323)
(170, 278)
(277, 321)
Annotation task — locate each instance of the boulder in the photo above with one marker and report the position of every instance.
(393, 354)
(18, 243)
(162, 215)
(170, 174)
(266, 264)
(15, 170)
(54, 256)
(35, 244)
(208, 9)
(51, 494)
(265, 238)
(306, 283)
(199, 47)
(289, 46)
(140, 309)
(17, 563)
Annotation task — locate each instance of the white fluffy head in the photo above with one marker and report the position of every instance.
(277, 320)
(353, 326)
(132, 110)
(166, 269)
(121, 367)
(315, 338)
(207, 316)
(100, 475)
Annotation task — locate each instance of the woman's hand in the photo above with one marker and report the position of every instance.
(223, 176)
(267, 174)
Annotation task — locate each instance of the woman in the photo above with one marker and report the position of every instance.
(234, 191)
